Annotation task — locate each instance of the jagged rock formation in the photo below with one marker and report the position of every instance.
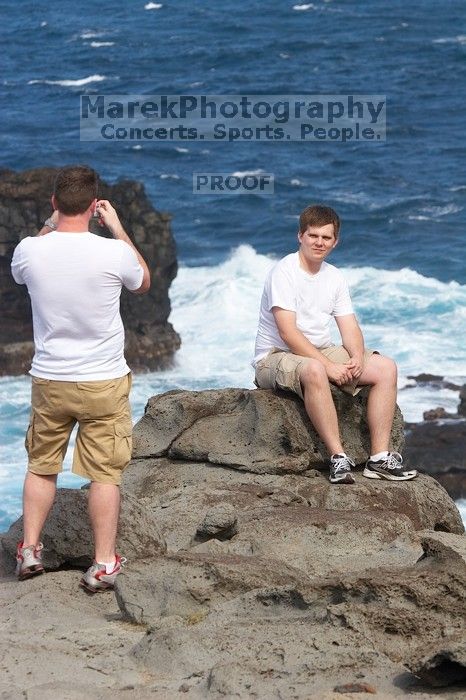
(24, 205)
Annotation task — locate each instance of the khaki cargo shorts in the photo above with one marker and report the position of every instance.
(103, 442)
(280, 369)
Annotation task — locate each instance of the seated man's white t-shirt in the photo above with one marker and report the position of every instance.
(315, 299)
(74, 281)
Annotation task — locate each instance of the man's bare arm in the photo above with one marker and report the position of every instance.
(109, 217)
(300, 345)
(46, 229)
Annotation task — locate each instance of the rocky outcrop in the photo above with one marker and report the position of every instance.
(266, 581)
(24, 205)
(437, 446)
(253, 430)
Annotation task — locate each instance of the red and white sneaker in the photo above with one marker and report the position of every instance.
(29, 561)
(96, 578)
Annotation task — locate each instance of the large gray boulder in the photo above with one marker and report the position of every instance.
(252, 430)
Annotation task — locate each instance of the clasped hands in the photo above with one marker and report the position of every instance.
(345, 373)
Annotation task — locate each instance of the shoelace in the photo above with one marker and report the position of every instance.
(392, 462)
(342, 464)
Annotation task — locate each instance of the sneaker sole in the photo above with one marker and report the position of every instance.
(369, 474)
(29, 573)
(346, 479)
(93, 589)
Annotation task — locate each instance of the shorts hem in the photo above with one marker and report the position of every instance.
(99, 479)
(43, 472)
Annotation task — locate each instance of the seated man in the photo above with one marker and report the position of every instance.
(294, 351)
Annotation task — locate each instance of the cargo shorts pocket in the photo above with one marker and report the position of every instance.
(29, 436)
(123, 442)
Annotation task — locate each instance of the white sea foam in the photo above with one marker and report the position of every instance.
(372, 202)
(248, 173)
(442, 210)
(71, 83)
(153, 6)
(91, 34)
(434, 212)
(459, 39)
(303, 8)
(296, 182)
(169, 176)
(180, 149)
(98, 44)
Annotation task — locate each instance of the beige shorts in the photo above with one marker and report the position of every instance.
(280, 369)
(103, 443)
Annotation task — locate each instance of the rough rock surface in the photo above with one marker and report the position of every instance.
(220, 521)
(444, 663)
(274, 583)
(254, 430)
(24, 206)
(318, 581)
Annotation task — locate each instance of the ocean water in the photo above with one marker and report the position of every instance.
(402, 202)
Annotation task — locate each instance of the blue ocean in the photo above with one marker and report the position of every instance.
(402, 201)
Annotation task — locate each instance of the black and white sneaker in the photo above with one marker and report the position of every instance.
(340, 469)
(391, 468)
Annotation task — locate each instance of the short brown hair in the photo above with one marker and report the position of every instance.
(75, 188)
(319, 215)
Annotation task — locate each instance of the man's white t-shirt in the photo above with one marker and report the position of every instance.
(314, 298)
(74, 281)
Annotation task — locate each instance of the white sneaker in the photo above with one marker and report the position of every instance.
(340, 469)
(29, 561)
(96, 578)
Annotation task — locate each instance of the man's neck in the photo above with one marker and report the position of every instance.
(73, 224)
(311, 268)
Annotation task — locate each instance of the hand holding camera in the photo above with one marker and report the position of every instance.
(108, 217)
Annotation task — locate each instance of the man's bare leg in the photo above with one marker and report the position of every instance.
(104, 511)
(38, 496)
(319, 404)
(381, 373)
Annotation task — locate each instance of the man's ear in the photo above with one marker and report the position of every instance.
(54, 202)
(336, 243)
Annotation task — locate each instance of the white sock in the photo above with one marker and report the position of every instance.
(109, 565)
(379, 455)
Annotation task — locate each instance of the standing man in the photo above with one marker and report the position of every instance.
(294, 351)
(79, 373)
